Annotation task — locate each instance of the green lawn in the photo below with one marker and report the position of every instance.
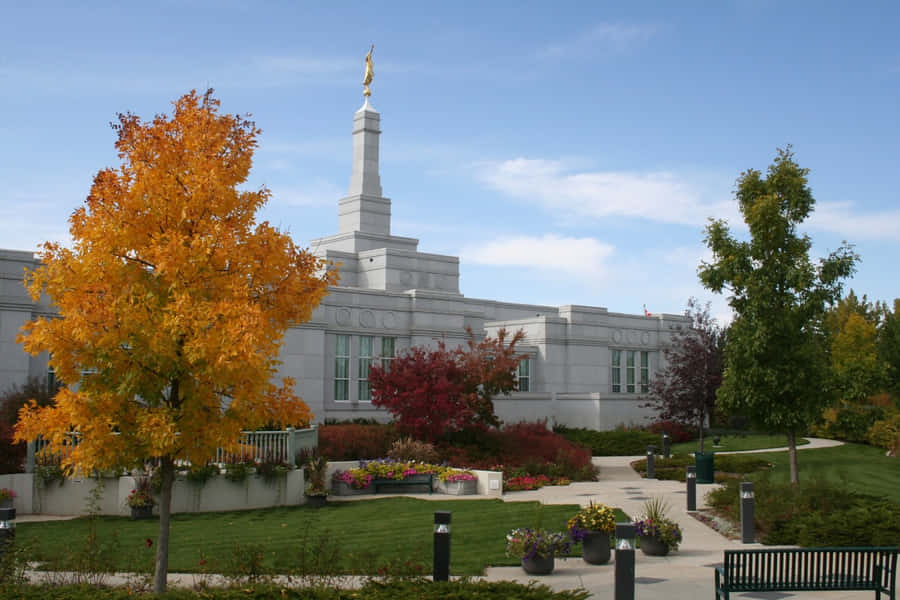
(360, 537)
(864, 469)
(731, 443)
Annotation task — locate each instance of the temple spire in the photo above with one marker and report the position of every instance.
(365, 209)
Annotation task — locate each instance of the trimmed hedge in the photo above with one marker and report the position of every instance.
(726, 465)
(815, 513)
(373, 590)
(618, 442)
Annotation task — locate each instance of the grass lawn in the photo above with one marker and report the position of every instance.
(733, 443)
(863, 469)
(360, 537)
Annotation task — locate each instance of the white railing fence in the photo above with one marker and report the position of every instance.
(254, 446)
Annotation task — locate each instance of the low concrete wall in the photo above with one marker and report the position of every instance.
(74, 496)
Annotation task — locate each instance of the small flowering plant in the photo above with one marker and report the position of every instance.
(451, 475)
(7, 494)
(528, 543)
(355, 478)
(593, 517)
(140, 496)
(655, 523)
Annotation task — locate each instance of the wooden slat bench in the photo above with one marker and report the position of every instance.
(808, 570)
(376, 483)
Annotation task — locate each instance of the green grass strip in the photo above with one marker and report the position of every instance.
(362, 536)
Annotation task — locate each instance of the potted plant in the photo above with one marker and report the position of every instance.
(351, 482)
(141, 500)
(592, 526)
(316, 470)
(6, 497)
(657, 533)
(457, 482)
(537, 548)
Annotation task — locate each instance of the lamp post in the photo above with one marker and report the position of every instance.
(651, 468)
(7, 528)
(748, 529)
(441, 565)
(691, 480)
(624, 561)
(667, 445)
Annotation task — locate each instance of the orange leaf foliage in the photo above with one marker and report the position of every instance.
(173, 298)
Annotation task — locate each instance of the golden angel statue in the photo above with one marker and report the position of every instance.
(367, 79)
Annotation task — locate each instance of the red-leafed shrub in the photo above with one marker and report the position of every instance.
(677, 431)
(433, 391)
(527, 448)
(355, 441)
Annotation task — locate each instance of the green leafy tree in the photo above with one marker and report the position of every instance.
(856, 369)
(889, 349)
(775, 357)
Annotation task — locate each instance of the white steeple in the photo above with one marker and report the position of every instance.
(365, 209)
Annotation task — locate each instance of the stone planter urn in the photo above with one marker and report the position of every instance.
(595, 548)
(458, 488)
(315, 501)
(141, 512)
(538, 565)
(653, 546)
(342, 488)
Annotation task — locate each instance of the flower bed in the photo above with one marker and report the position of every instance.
(385, 469)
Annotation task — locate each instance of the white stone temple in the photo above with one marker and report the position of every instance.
(586, 366)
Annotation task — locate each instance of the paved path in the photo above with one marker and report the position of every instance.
(684, 574)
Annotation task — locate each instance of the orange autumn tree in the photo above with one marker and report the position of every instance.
(173, 302)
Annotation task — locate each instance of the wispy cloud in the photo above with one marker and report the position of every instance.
(315, 192)
(602, 38)
(843, 218)
(550, 253)
(658, 196)
(145, 74)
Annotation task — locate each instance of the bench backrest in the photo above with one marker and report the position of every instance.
(816, 568)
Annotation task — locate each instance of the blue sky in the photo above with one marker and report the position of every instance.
(568, 152)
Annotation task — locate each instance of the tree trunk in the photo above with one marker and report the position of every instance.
(167, 472)
(792, 453)
(702, 419)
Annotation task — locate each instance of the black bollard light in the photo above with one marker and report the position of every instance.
(624, 561)
(651, 468)
(441, 567)
(691, 480)
(667, 446)
(7, 528)
(748, 529)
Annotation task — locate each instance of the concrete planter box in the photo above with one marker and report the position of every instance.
(458, 488)
(341, 488)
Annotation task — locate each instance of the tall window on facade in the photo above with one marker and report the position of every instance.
(637, 371)
(645, 372)
(629, 371)
(387, 352)
(342, 368)
(615, 371)
(366, 344)
(523, 375)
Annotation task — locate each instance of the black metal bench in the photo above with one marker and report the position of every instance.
(808, 570)
(421, 479)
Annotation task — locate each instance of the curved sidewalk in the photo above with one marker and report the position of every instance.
(687, 573)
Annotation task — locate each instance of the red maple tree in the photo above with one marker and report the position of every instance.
(433, 391)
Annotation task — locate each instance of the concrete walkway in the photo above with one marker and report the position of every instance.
(687, 573)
